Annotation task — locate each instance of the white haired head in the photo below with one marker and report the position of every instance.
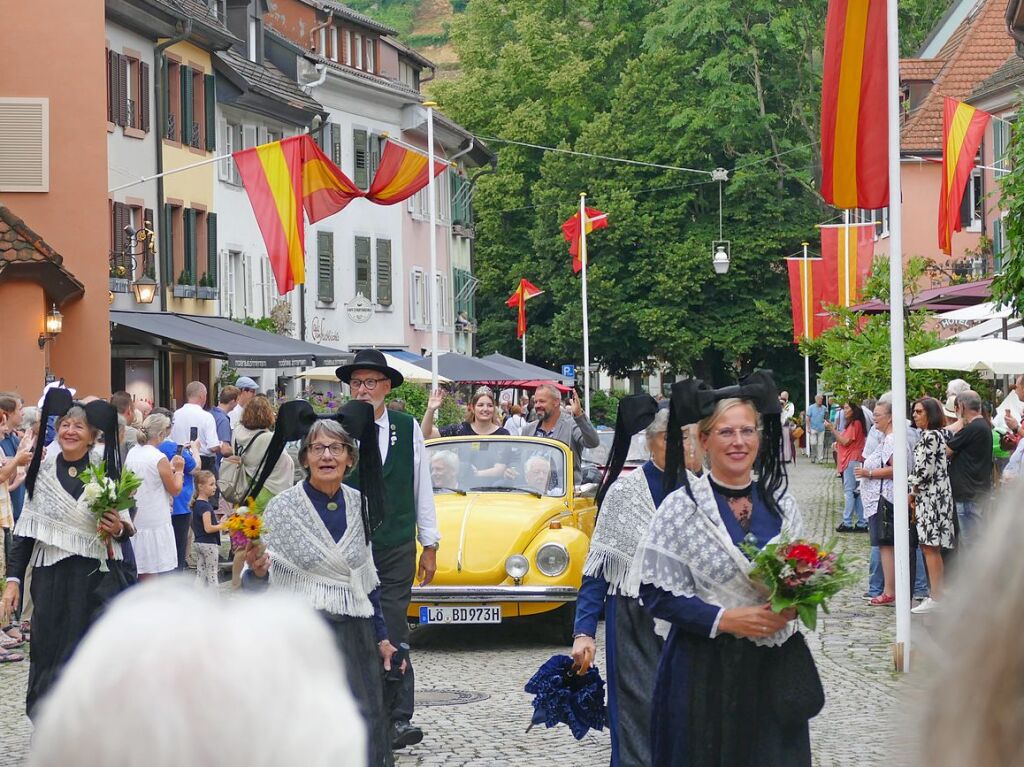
(956, 386)
(171, 675)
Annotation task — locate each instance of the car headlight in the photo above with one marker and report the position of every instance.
(552, 559)
(517, 566)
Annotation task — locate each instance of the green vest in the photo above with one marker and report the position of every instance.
(399, 524)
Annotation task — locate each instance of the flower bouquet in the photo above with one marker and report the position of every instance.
(103, 494)
(800, 574)
(244, 525)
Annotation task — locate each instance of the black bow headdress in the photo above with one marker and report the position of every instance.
(296, 418)
(692, 401)
(635, 413)
(101, 415)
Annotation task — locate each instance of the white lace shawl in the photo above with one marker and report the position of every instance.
(304, 559)
(688, 552)
(625, 515)
(61, 526)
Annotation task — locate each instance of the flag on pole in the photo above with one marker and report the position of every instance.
(807, 279)
(524, 293)
(402, 173)
(844, 271)
(572, 232)
(854, 122)
(282, 178)
(963, 128)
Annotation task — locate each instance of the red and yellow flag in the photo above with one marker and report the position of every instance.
(282, 178)
(963, 128)
(847, 253)
(524, 293)
(854, 112)
(402, 173)
(807, 280)
(573, 233)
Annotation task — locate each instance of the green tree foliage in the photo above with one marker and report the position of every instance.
(693, 83)
(1008, 286)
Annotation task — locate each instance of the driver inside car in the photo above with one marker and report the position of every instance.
(444, 470)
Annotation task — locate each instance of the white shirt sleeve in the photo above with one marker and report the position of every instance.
(426, 514)
(208, 438)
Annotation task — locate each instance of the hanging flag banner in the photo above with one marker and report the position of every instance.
(402, 172)
(809, 295)
(282, 179)
(846, 270)
(524, 292)
(854, 115)
(963, 128)
(572, 232)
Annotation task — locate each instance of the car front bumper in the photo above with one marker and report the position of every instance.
(471, 594)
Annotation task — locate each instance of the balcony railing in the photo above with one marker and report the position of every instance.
(194, 138)
(130, 114)
(172, 127)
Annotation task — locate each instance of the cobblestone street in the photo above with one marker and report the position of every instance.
(474, 712)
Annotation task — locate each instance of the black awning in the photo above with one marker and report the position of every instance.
(242, 346)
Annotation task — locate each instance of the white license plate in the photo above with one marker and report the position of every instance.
(477, 614)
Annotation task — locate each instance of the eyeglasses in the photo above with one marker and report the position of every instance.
(747, 433)
(335, 449)
(367, 383)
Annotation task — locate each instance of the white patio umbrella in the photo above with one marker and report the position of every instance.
(411, 373)
(992, 329)
(976, 313)
(990, 355)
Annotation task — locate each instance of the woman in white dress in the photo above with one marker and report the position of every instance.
(155, 551)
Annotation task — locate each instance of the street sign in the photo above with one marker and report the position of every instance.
(568, 371)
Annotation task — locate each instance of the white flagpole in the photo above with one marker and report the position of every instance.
(845, 262)
(524, 345)
(897, 351)
(808, 319)
(435, 288)
(586, 319)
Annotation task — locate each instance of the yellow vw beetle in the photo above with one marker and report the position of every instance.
(515, 530)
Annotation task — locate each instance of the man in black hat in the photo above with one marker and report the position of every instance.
(410, 507)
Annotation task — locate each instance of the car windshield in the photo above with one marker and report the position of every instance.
(497, 466)
(638, 451)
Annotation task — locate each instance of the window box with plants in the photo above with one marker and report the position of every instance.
(120, 281)
(206, 290)
(185, 287)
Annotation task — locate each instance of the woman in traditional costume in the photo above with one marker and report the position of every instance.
(632, 648)
(74, 572)
(317, 546)
(736, 684)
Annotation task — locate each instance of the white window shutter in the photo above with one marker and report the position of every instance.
(24, 145)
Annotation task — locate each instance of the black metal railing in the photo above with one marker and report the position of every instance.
(172, 127)
(194, 138)
(130, 114)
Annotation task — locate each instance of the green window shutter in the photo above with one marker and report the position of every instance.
(166, 240)
(143, 99)
(190, 243)
(363, 266)
(374, 155)
(185, 129)
(335, 136)
(211, 249)
(210, 91)
(361, 159)
(384, 272)
(111, 86)
(325, 266)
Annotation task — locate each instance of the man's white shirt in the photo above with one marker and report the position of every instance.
(191, 415)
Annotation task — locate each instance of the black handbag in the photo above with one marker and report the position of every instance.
(794, 686)
(886, 522)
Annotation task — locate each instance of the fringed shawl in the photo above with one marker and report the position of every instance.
(625, 515)
(304, 558)
(61, 526)
(688, 552)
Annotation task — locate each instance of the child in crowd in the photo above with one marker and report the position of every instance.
(205, 530)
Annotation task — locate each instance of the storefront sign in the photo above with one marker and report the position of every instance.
(359, 308)
(322, 333)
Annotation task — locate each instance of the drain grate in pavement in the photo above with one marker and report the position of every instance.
(448, 697)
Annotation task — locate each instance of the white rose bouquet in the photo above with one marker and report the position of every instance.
(103, 494)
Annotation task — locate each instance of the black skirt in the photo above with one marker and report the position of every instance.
(68, 597)
(365, 673)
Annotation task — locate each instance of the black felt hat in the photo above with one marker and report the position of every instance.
(635, 413)
(370, 359)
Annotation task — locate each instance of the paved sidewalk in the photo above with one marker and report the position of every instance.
(474, 712)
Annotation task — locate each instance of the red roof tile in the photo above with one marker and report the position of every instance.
(22, 251)
(978, 47)
(920, 69)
